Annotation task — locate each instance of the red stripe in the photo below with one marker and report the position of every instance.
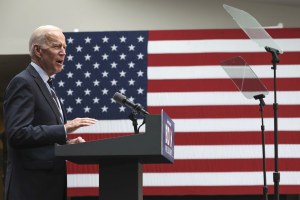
(209, 165)
(223, 165)
(231, 111)
(217, 34)
(207, 85)
(99, 136)
(81, 192)
(194, 190)
(218, 190)
(196, 59)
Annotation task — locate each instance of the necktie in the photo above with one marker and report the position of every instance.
(53, 94)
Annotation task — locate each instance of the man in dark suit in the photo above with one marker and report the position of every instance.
(35, 122)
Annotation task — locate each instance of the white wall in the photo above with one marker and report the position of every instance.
(18, 18)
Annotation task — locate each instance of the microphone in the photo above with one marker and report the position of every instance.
(121, 99)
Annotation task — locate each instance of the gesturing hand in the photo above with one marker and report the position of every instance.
(76, 123)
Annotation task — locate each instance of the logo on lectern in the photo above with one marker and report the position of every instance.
(168, 136)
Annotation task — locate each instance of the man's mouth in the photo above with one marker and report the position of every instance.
(60, 62)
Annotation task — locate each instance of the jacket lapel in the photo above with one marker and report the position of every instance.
(45, 92)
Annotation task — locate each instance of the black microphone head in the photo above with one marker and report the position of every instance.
(118, 97)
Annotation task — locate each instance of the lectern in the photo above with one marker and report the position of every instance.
(120, 159)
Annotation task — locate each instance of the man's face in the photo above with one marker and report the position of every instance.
(53, 53)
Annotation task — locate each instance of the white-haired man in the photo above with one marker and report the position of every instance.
(35, 121)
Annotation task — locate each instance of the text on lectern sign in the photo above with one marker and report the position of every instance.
(168, 136)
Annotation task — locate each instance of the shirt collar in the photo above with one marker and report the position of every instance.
(41, 72)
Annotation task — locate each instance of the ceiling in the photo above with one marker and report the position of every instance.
(281, 2)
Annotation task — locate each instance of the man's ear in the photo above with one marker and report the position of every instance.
(37, 50)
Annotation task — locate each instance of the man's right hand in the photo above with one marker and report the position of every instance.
(76, 123)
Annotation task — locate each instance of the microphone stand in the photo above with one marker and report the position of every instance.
(261, 105)
(276, 174)
(132, 117)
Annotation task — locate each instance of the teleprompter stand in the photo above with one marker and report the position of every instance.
(251, 87)
(261, 97)
(260, 36)
(276, 175)
(120, 159)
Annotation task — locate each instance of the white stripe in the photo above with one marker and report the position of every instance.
(217, 98)
(217, 179)
(83, 180)
(234, 124)
(234, 151)
(193, 179)
(215, 72)
(110, 126)
(218, 45)
(198, 125)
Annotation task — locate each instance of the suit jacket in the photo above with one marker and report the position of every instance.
(33, 127)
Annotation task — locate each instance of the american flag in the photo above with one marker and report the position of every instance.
(218, 147)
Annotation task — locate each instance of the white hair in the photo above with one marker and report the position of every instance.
(38, 36)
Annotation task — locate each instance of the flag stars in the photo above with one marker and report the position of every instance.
(123, 39)
(78, 83)
(140, 73)
(70, 40)
(113, 65)
(105, 57)
(122, 91)
(70, 92)
(122, 73)
(78, 100)
(61, 83)
(105, 91)
(131, 64)
(122, 109)
(96, 82)
(105, 74)
(87, 92)
(140, 91)
(114, 82)
(87, 109)
(78, 48)
(87, 74)
(87, 40)
(131, 47)
(140, 56)
(87, 57)
(105, 39)
(70, 75)
(69, 109)
(131, 82)
(112, 100)
(96, 48)
(122, 56)
(70, 57)
(140, 39)
(78, 66)
(96, 65)
(104, 109)
(131, 99)
(114, 47)
(96, 100)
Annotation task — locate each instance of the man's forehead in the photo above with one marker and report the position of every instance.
(58, 37)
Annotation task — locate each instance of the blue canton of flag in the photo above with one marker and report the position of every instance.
(97, 65)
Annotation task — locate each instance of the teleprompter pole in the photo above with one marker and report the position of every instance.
(276, 174)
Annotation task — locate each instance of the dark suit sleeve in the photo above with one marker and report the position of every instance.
(28, 123)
